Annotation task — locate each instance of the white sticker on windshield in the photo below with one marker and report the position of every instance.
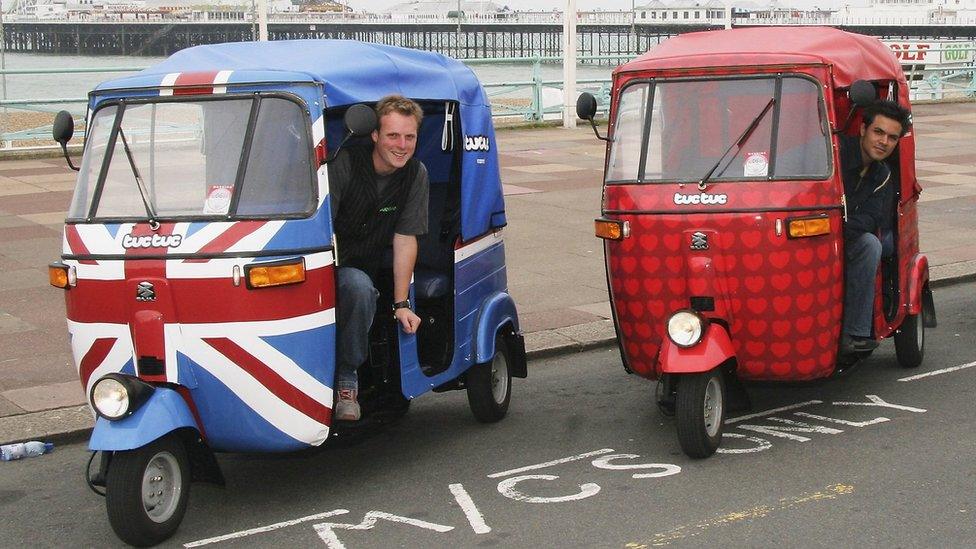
(756, 165)
(218, 199)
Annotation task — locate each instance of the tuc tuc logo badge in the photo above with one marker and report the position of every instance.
(477, 143)
(152, 241)
(703, 198)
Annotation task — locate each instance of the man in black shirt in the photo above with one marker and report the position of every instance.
(868, 192)
(378, 198)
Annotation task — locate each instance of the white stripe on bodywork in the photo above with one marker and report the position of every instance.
(166, 85)
(261, 328)
(477, 246)
(222, 78)
(255, 395)
(224, 267)
(83, 336)
(318, 136)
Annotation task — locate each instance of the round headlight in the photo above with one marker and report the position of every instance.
(110, 398)
(685, 328)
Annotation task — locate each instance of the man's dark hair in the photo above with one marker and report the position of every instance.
(888, 109)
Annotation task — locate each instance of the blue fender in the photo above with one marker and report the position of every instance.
(496, 311)
(164, 412)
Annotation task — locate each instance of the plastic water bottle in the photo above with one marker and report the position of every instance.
(10, 452)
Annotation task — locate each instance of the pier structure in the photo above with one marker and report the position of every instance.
(467, 41)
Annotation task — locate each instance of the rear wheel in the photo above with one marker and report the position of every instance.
(910, 341)
(700, 412)
(490, 385)
(146, 491)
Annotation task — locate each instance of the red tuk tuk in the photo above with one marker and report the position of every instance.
(723, 212)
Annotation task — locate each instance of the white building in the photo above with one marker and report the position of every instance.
(681, 12)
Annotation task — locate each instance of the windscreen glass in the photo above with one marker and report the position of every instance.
(184, 160)
(722, 129)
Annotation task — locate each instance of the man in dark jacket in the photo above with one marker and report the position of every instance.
(868, 193)
(379, 198)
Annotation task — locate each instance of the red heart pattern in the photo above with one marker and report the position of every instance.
(780, 297)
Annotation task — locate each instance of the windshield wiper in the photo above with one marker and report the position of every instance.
(143, 192)
(738, 143)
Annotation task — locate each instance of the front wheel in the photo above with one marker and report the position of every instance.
(146, 491)
(700, 412)
(490, 385)
(910, 341)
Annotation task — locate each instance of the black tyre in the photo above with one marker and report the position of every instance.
(146, 491)
(700, 412)
(910, 341)
(490, 385)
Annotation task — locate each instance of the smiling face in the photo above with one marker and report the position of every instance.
(395, 142)
(878, 139)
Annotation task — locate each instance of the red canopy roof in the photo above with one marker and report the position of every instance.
(853, 56)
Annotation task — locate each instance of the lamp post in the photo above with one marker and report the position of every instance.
(3, 56)
(569, 65)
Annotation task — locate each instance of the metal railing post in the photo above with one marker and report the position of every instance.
(537, 105)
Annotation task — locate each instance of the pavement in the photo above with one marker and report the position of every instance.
(552, 178)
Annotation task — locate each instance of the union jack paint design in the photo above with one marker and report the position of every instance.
(256, 363)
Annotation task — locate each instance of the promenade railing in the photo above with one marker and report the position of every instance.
(935, 71)
(531, 99)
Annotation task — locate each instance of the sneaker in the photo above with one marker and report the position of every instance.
(347, 407)
(854, 344)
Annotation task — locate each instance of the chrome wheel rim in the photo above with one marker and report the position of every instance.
(713, 407)
(499, 378)
(162, 486)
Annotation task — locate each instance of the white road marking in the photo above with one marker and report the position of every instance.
(268, 528)
(551, 463)
(785, 432)
(773, 411)
(474, 516)
(763, 444)
(877, 401)
(938, 372)
(326, 530)
(507, 489)
(604, 463)
(843, 421)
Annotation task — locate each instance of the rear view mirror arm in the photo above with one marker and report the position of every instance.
(64, 149)
(597, 133)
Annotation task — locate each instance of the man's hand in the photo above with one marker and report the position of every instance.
(408, 320)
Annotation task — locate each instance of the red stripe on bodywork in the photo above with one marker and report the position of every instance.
(94, 357)
(202, 299)
(260, 371)
(194, 83)
(76, 245)
(226, 239)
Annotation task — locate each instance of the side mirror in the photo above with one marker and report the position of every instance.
(360, 120)
(862, 93)
(62, 130)
(586, 109)
(586, 106)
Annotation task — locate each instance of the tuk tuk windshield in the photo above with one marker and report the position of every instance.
(677, 130)
(246, 157)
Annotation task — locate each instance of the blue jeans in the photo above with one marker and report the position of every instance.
(862, 254)
(355, 308)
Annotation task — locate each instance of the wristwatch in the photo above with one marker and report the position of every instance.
(405, 304)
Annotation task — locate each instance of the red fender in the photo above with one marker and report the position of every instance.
(714, 349)
(918, 277)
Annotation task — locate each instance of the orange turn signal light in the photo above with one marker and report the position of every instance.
(611, 229)
(281, 273)
(58, 275)
(802, 227)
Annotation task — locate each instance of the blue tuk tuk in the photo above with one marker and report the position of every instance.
(199, 260)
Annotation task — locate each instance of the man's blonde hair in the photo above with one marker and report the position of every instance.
(401, 105)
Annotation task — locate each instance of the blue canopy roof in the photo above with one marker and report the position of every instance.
(350, 71)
